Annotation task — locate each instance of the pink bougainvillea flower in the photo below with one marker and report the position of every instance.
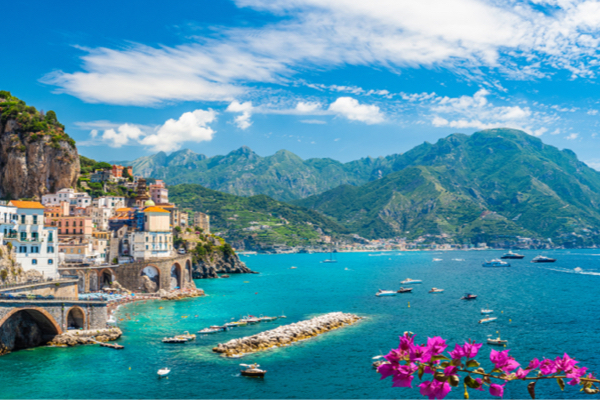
(522, 373)
(502, 361)
(394, 356)
(406, 341)
(497, 390)
(428, 370)
(533, 364)
(435, 346)
(434, 389)
(575, 374)
(457, 353)
(418, 353)
(547, 367)
(471, 349)
(387, 370)
(404, 375)
(450, 370)
(480, 382)
(564, 364)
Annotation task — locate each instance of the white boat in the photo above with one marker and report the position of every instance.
(385, 293)
(187, 336)
(497, 341)
(112, 320)
(486, 311)
(409, 281)
(578, 270)
(437, 259)
(231, 324)
(543, 259)
(163, 372)
(174, 340)
(267, 319)
(496, 263)
(487, 320)
(208, 330)
(436, 290)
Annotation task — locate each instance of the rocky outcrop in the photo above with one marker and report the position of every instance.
(287, 334)
(10, 271)
(36, 156)
(217, 263)
(180, 294)
(74, 338)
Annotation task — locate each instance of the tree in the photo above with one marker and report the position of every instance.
(102, 165)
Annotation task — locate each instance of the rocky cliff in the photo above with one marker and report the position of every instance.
(10, 271)
(36, 155)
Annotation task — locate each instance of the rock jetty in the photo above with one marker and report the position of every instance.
(92, 336)
(287, 334)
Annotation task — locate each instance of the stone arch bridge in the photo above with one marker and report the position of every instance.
(147, 276)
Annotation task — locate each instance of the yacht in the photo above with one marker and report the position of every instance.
(405, 290)
(385, 293)
(253, 371)
(487, 320)
(409, 281)
(469, 296)
(186, 335)
(163, 372)
(485, 311)
(497, 263)
(208, 330)
(231, 324)
(512, 256)
(174, 340)
(436, 290)
(542, 259)
(497, 341)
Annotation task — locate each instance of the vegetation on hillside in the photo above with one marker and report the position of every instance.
(97, 189)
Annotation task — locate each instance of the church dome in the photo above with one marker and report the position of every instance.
(149, 203)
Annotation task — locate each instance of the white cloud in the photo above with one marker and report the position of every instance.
(595, 163)
(313, 121)
(307, 107)
(242, 121)
(465, 36)
(572, 136)
(592, 112)
(190, 127)
(354, 111)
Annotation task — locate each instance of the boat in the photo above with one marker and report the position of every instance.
(251, 319)
(497, 341)
(174, 340)
(163, 372)
(253, 371)
(379, 362)
(496, 263)
(485, 311)
(543, 259)
(487, 320)
(112, 320)
(436, 290)
(208, 330)
(512, 256)
(112, 346)
(405, 290)
(578, 270)
(231, 324)
(409, 281)
(385, 293)
(331, 259)
(268, 319)
(437, 259)
(469, 296)
(292, 267)
(186, 335)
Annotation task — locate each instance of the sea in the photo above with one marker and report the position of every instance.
(543, 310)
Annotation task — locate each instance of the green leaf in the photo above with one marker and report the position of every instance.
(421, 370)
(444, 364)
(561, 383)
(456, 363)
(470, 382)
(472, 364)
(440, 377)
(497, 371)
(440, 357)
(531, 389)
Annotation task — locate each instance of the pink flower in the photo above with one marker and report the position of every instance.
(434, 389)
(533, 364)
(471, 349)
(547, 367)
(522, 373)
(435, 346)
(564, 364)
(406, 341)
(418, 353)
(450, 370)
(497, 390)
(575, 374)
(457, 353)
(480, 382)
(394, 356)
(387, 370)
(404, 375)
(502, 361)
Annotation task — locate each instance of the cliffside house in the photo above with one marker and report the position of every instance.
(202, 221)
(76, 199)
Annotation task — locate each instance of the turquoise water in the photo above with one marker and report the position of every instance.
(547, 309)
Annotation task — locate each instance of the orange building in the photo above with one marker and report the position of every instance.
(117, 171)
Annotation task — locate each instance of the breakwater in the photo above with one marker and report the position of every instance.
(92, 336)
(287, 334)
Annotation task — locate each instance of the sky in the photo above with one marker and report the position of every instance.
(343, 79)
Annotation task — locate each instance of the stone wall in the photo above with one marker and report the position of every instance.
(62, 288)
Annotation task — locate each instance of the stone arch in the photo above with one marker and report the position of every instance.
(150, 279)
(106, 277)
(175, 279)
(81, 287)
(188, 267)
(75, 318)
(27, 327)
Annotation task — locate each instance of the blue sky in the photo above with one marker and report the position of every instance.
(343, 79)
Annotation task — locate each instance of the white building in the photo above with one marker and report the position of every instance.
(22, 225)
(103, 208)
(113, 202)
(156, 241)
(77, 199)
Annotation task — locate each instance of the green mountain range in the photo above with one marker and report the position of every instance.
(493, 184)
(256, 222)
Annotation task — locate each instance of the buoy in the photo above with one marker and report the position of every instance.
(256, 293)
(510, 320)
(130, 368)
(409, 304)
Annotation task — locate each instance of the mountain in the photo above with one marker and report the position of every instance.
(493, 184)
(36, 155)
(283, 176)
(256, 222)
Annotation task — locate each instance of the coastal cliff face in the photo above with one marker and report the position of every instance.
(10, 271)
(36, 156)
(217, 263)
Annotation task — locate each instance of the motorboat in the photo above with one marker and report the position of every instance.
(231, 324)
(543, 259)
(379, 362)
(385, 293)
(469, 296)
(268, 319)
(496, 263)
(163, 372)
(253, 371)
(512, 256)
(174, 340)
(436, 290)
(497, 341)
(240, 323)
(409, 281)
(251, 319)
(218, 327)
(208, 330)
(437, 259)
(487, 320)
(405, 290)
(186, 335)
(578, 270)
(293, 267)
(485, 311)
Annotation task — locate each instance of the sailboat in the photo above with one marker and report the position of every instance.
(331, 259)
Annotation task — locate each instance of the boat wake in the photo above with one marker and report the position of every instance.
(577, 271)
(458, 259)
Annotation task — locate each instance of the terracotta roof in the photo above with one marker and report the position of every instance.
(26, 204)
(155, 209)
(126, 209)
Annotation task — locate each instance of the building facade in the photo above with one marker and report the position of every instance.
(202, 221)
(76, 199)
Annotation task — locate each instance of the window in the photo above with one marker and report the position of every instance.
(50, 237)
(34, 236)
(50, 261)
(35, 219)
(146, 240)
(22, 249)
(81, 231)
(146, 247)
(67, 223)
(66, 231)
(35, 249)
(59, 223)
(60, 231)
(23, 218)
(81, 223)
(50, 249)
(79, 251)
(34, 261)
(23, 236)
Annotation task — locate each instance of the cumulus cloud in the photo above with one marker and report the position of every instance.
(242, 121)
(512, 38)
(189, 127)
(354, 111)
(572, 136)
